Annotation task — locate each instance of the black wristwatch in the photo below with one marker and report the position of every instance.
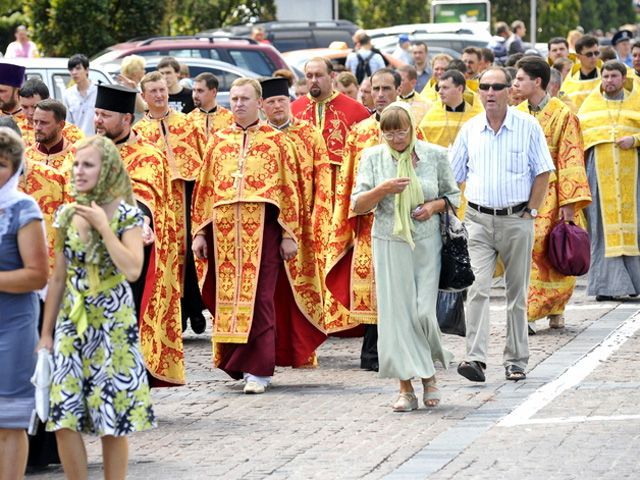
(531, 211)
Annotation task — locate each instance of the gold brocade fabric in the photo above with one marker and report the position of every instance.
(420, 105)
(70, 132)
(183, 144)
(61, 161)
(349, 231)
(243, 171)
(603, 122)
(47, 186)
(442, 127)
(159, 318)
(209, 123)
(550, 290)
(578, 90)
(315, 213)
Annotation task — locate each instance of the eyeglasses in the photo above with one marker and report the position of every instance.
(399, 134)
(593, 53)
(497, 87)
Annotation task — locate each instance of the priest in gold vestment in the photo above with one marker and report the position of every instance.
(246, 227)
(156, 293)
(610, 121)
(568, 192)
(183, 145)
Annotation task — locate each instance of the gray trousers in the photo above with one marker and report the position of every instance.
(511, 237)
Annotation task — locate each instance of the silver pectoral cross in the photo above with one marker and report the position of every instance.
(237, 176)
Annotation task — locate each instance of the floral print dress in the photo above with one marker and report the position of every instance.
(99, 381)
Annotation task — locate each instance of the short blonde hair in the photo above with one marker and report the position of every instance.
(441, 56)
(154, 76)
(241, 82)
(132, 64)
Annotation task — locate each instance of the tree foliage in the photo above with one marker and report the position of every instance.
(377, 14)
(65, 27)
(186, 17)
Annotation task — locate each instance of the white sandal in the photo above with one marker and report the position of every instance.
(406, 402)
(432, 398)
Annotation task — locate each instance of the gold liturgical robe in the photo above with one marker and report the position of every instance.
(603, 122)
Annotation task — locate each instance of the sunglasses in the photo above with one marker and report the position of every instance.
(497, 87)
(592, 54)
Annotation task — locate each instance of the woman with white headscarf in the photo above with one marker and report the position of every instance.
(23, 270)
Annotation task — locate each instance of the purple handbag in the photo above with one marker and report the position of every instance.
(569, 249)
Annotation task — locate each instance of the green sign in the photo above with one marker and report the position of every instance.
(461, 12)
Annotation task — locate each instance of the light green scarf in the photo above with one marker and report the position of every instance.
(113, 183)
(412, 196)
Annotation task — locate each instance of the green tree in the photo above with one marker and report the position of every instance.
(377, 14)
(181, 20)
(65, 27)
(556, 18)
(11, 16)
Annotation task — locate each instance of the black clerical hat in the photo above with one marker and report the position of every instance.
(273, 87)
(116, 98)
(12, 75)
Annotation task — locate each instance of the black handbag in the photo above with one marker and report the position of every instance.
(455, 267)
(450, 313)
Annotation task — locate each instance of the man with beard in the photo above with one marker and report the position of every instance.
(332, 112)
(208, 116)
(182, 144)
(350, 296)
(611, 133)
(11, 79)
(156, 293)
(33, 92)
(51, 148)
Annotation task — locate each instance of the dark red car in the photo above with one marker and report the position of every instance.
(243, 52)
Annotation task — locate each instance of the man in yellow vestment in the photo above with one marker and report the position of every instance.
(585, 73)
(51, 147)
(246, 221)
(568, 192)
(183, 144)
(208, 116)
(611, 132)
(439, 64)
(156, 293)
(419, 105)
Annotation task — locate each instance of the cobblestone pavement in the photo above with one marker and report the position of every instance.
(336, 421)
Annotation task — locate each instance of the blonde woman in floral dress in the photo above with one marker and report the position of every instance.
(99, 380)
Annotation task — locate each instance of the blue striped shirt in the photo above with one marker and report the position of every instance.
(499, 168)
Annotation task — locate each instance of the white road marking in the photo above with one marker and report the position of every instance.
(599, 306)
(580, 419)
(573, 375)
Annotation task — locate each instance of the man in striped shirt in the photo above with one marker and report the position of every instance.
(504, 159)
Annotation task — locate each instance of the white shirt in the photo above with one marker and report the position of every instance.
(375, 63)
(81, 109)
(499, 168)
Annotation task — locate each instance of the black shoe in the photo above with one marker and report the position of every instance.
(472, 370)
(605, 298)
(371, 365)
(183, 321)
(198, 323)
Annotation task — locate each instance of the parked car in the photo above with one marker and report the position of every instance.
(452, 41)
(297, 58)
(298, 34)
(54, 73)
(242, 52)
(225, 72)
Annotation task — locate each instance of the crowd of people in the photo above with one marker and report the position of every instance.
(310, 208)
